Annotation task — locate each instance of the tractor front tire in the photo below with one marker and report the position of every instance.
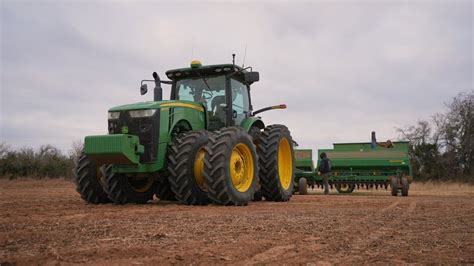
(124, 188)
(163, 190)
(303, 186)
(276, 162)
(186, 167)
(405, 187)
(394, 186)
(231, 167)
(89, 180)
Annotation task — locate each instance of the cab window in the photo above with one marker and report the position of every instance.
(240, 101)
(186, 93)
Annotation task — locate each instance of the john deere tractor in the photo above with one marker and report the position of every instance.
(204, 145)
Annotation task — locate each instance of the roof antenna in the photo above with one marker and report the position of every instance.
(233, 60)
(245, 53)
(192, 49)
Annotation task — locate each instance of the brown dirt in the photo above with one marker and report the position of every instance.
(46, 222)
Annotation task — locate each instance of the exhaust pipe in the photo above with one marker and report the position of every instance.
(158, 91)
(374, 140)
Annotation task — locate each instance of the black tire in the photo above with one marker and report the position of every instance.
(89, 180)
(394, 186)
(163, 190)
(129, 188)
(218, 167)
(303, 186)
(268, 149)
(255, 132)
(182, 154)
(345, 188)
(257, 196)
(405, 187)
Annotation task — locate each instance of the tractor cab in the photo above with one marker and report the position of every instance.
(223, 90)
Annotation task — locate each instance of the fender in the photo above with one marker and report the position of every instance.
(252, 121)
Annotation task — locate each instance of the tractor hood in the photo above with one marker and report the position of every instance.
(156, 105)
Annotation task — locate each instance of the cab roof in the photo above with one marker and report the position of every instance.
(207, 70)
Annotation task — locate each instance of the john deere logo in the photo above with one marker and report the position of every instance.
(124, 130)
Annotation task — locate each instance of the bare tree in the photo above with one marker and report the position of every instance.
(423, 151)
(417, 134)
(456, 134)
(76, 150)
(4, 149)
(445, 150)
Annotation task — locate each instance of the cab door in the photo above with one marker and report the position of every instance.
(240, 101)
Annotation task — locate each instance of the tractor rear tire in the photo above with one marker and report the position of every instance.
(405, 187)
(394, 186)
(123, 188)
(163, 190)
(231, 167)
(276, 162)
(303, 186)
(186, 167)
(89, 180)
(257, 196)
(345, 188)
(255, 132)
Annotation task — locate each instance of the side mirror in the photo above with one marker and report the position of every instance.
(143, 89)
(251, 77)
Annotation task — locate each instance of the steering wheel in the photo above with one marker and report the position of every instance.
(206, 95)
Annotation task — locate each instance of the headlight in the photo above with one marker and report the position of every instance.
(114, 115)
(142, 113)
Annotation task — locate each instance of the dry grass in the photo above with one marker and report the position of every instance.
(430, 188)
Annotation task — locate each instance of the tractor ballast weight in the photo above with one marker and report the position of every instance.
(204, 145)
(117, 148)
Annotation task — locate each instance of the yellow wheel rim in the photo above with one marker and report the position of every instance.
(199, 168)
(100, 176)
(140, 183)
(344, 187)
(241, 167)
(285, 163)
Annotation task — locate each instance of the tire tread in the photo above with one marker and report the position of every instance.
(87, 185)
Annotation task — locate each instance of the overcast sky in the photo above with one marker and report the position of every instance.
(344, 68)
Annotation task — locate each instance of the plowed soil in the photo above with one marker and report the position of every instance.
(46, 222)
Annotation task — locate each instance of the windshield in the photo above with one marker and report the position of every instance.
(209, 91)
(204, 90)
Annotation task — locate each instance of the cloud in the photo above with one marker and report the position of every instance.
(344, 69)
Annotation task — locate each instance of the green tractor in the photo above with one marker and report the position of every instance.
(204, 145)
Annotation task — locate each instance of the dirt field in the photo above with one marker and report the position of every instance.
(46, 222)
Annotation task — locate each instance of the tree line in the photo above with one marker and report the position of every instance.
(442, 148)
(45, 162)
